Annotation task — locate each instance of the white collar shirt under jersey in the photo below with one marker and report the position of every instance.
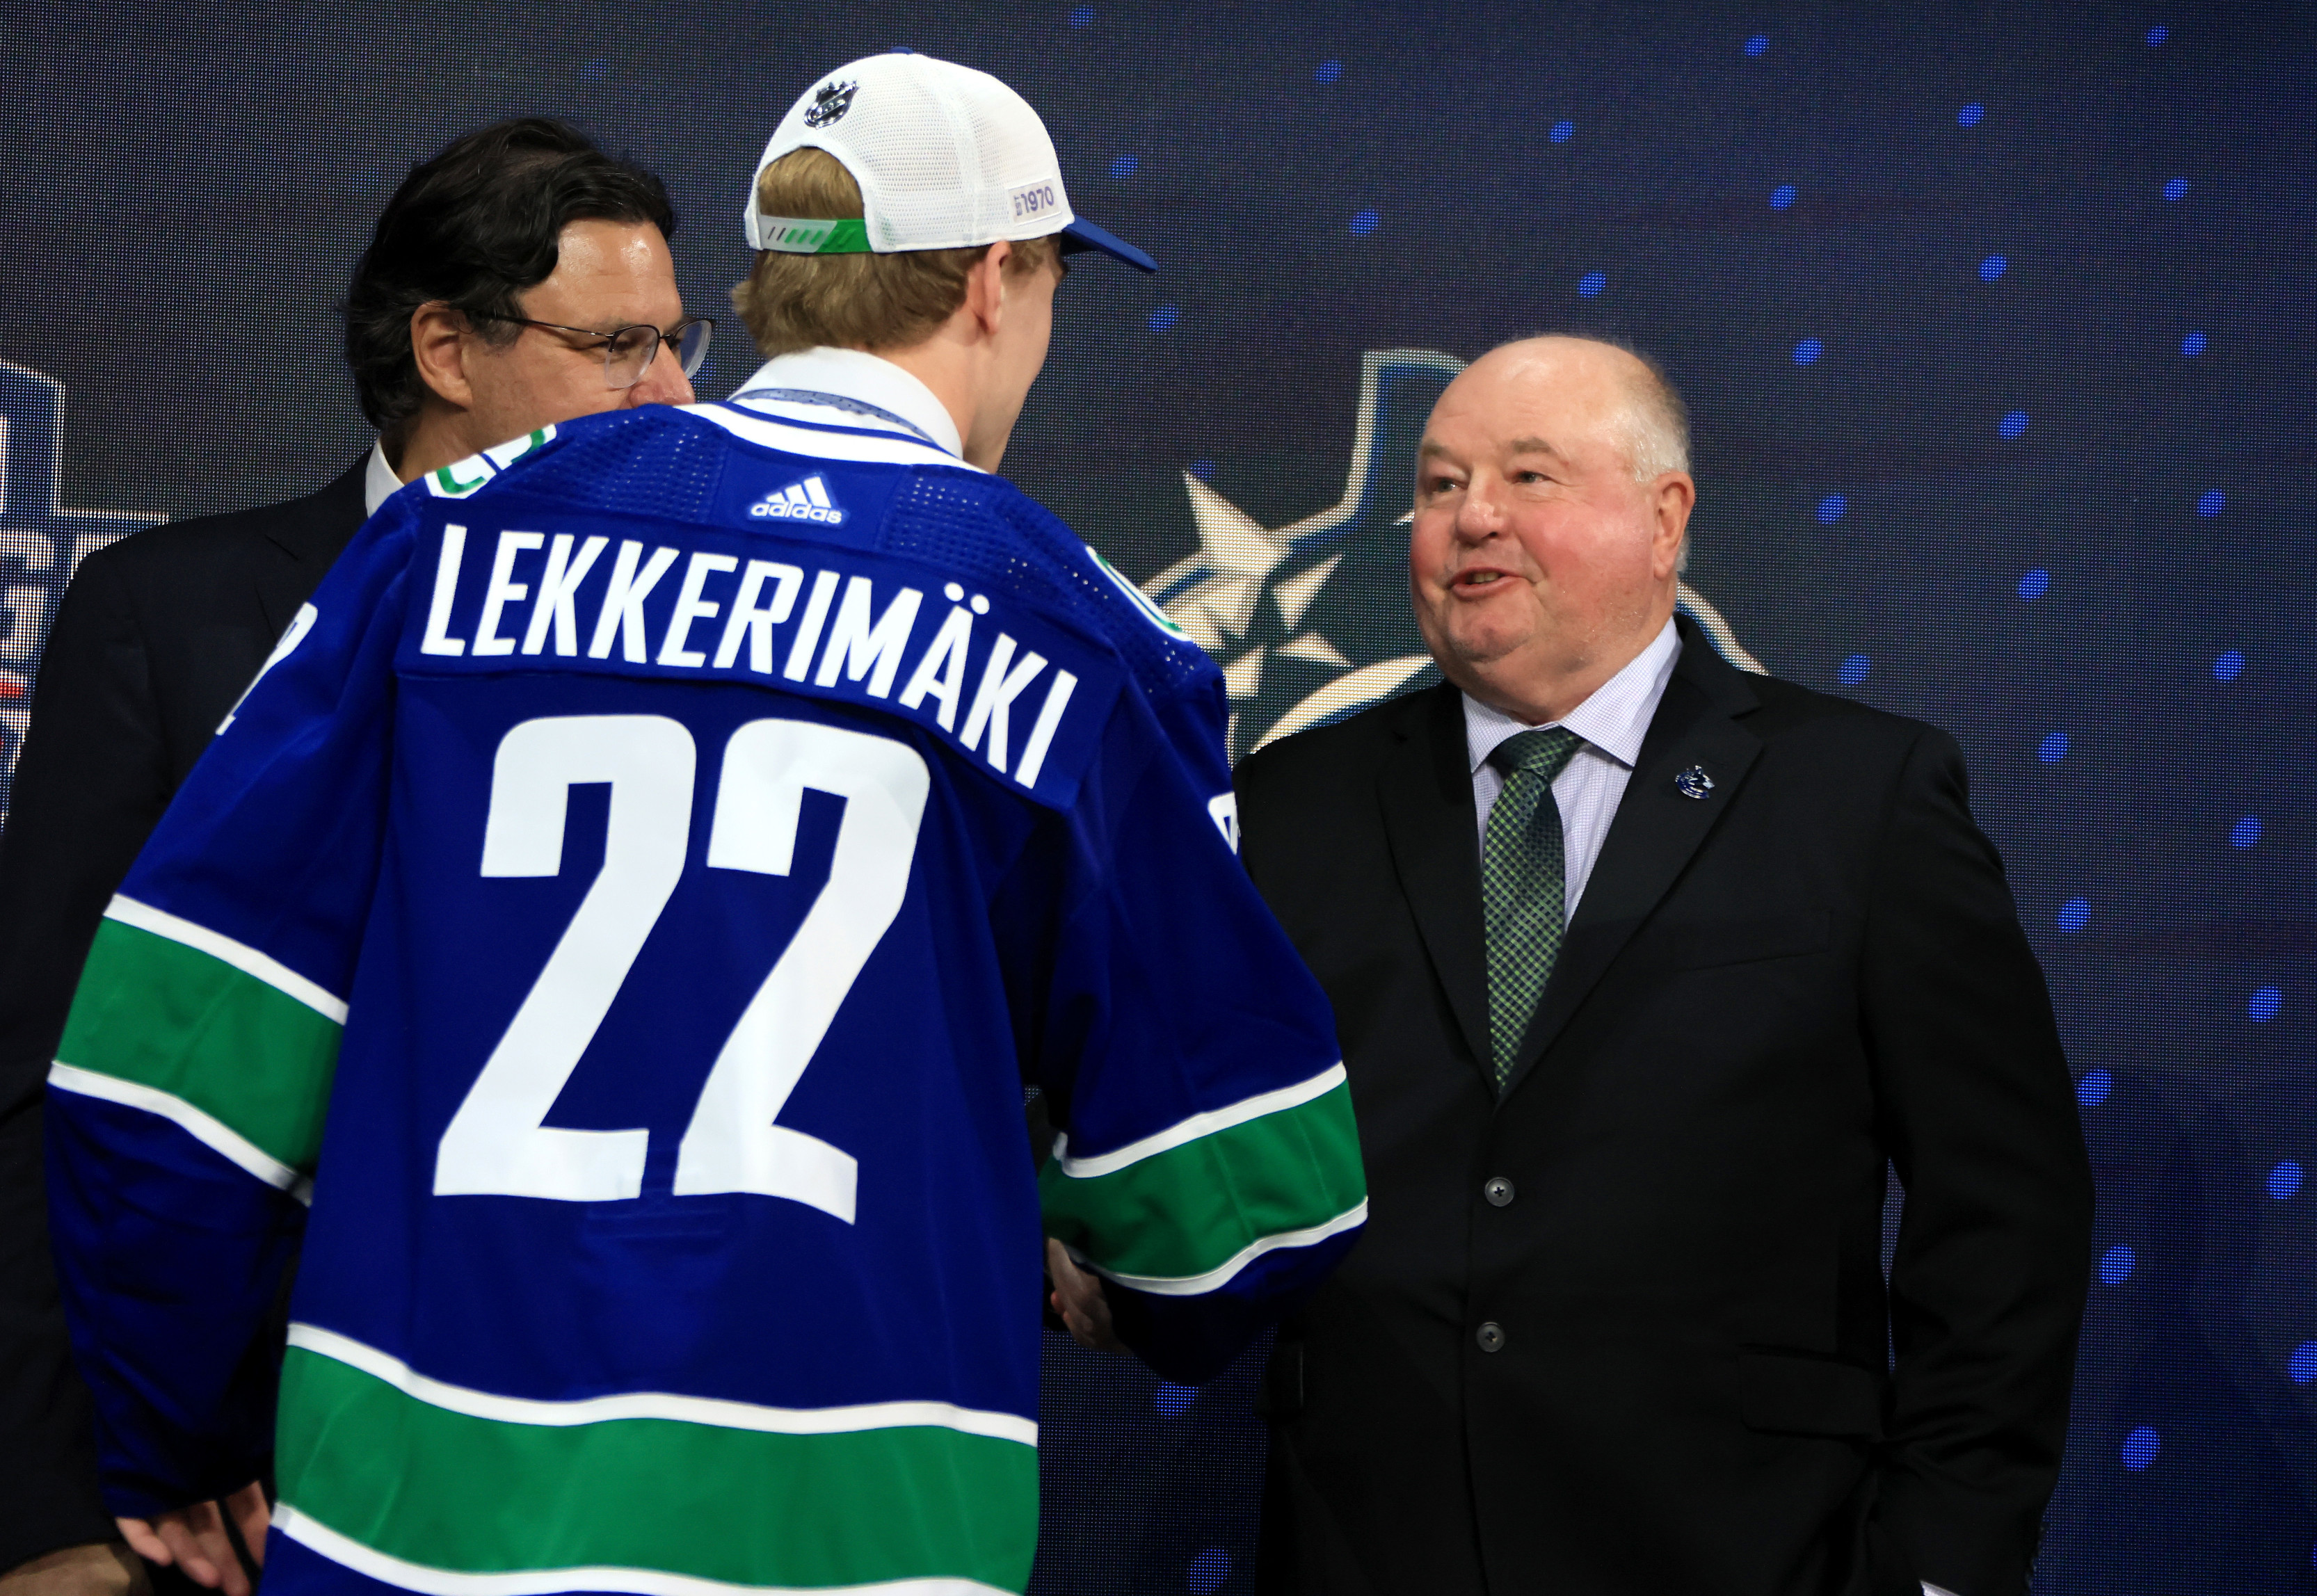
(867, 380)
(1613, 722)
(852, 388)
(379, 480)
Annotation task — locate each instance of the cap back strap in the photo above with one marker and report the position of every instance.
(804, 235)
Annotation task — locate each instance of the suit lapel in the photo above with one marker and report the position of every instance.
(1657, 829)
(1425, 788)
(313, 532)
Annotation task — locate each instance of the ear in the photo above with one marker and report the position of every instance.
(985, 287)
(438, 343)
(1672, 498)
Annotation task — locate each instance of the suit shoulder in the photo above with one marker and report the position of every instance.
(1792, 712)
(1329, 755)
(207, 547)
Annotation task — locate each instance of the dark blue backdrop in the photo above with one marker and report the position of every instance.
(1996, 322)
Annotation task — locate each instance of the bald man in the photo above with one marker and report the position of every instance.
(1643, 969)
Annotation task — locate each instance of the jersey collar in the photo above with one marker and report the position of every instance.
(857, 375)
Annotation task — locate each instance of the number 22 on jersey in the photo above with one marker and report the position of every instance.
(499, 1143)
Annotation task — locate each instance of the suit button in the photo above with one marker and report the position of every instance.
(1499, 1191)
(1491, 1337)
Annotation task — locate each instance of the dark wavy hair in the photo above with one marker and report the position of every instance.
(473, 227)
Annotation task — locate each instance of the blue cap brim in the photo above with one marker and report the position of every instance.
(1082, 234)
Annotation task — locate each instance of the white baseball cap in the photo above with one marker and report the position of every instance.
(946, 157)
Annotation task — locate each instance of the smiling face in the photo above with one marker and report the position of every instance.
(1538, 564)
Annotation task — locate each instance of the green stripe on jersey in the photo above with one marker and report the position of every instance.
(454, 1491)
(1187, 1212)
(160, 1015)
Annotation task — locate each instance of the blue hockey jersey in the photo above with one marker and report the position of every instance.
(625, 910)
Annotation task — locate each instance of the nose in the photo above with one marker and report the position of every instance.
(663, 381)
(1478, 515)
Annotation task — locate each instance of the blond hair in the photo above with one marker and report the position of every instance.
(853, 301)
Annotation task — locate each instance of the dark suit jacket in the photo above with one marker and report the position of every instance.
(1765, 994)
(155, 639)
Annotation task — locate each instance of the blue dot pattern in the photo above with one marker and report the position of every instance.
(1852, 670)
(1562, 132)
(1174, 1401)
(2035, 584)
(1807, 351)
(1993, 267)
(2177, 189)
(2263, 1005)
(2115, 1265)
(1782, 196)
(1207, 1572)
(2140, 1449)
(1328, 72)
(1082, 16)
(2075, 914)
(1592, 283)
(2283, 1178)
(2245, 833)
(1163, 319)
(2212, 502)
(2193, 344)
(2053, 748)
(1123, 167)
(1758, 45)
(1832, 508)
(2013, 424)
(1364, 222)
(2303, 1365)
(2229, 666)
(2094, 1088)
(1971, 115)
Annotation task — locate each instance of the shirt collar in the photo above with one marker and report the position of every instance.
(1614, 720)
(856, 374)
(379, 480)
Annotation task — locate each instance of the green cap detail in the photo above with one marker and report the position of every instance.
(802, 236)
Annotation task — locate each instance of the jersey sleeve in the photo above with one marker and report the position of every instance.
(1209, 1166)
(186, 1100)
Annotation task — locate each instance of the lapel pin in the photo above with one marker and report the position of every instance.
(1694, 782)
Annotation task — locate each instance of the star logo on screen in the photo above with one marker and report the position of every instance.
(1310, 621)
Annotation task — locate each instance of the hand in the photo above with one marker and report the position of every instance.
(194, 1539)
(105, 1569)
(1077, 1298)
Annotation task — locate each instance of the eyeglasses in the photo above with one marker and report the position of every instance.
(629, 352)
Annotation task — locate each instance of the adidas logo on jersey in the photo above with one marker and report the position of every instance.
(799, 501)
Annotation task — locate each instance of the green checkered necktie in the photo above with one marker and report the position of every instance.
(1521, 886)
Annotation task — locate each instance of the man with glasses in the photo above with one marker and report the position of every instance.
(519, 279)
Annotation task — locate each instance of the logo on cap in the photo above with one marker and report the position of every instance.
(829, 103)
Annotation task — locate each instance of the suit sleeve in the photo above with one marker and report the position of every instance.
(186, 1098)
(1987, 1288)
(91, 782)
(1209, 1167)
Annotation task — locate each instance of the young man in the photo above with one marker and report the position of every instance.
(627, 909)
(519, 223)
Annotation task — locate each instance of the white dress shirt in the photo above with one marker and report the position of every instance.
(1612, 724)
(869, 390)
(379, 480)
